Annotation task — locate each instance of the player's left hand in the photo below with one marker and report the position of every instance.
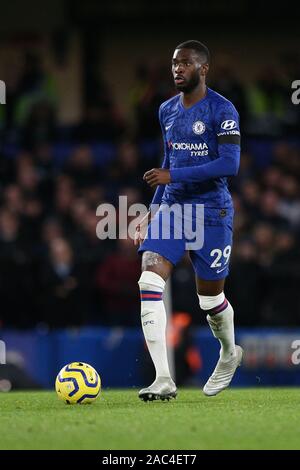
(157, 176)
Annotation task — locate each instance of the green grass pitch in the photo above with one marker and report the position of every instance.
(235, 419)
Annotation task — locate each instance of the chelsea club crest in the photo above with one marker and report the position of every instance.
(198, 127)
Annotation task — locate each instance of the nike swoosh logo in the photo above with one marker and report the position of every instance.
(145, 314)
(220, 270)
(168, 127)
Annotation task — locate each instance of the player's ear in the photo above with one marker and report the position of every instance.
(204, 69)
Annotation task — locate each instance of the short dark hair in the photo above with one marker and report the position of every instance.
(196, 46)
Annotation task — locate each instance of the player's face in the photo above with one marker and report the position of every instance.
(186, 68)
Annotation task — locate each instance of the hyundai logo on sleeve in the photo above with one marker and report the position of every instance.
(228, 125)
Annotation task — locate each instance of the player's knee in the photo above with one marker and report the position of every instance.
(156, 263)
(150, 258)
(208, 302)
(150, 281)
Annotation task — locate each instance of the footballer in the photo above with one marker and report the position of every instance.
(201, 149)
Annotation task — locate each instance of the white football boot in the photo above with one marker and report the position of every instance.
(223, 373)
(163, 388)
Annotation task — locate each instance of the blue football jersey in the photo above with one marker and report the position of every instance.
(194, 136)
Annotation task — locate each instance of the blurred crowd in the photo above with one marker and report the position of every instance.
(54, 270)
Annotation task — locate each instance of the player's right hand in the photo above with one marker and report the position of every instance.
(141, 230)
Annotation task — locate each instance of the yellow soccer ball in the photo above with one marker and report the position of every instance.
(78, 383)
